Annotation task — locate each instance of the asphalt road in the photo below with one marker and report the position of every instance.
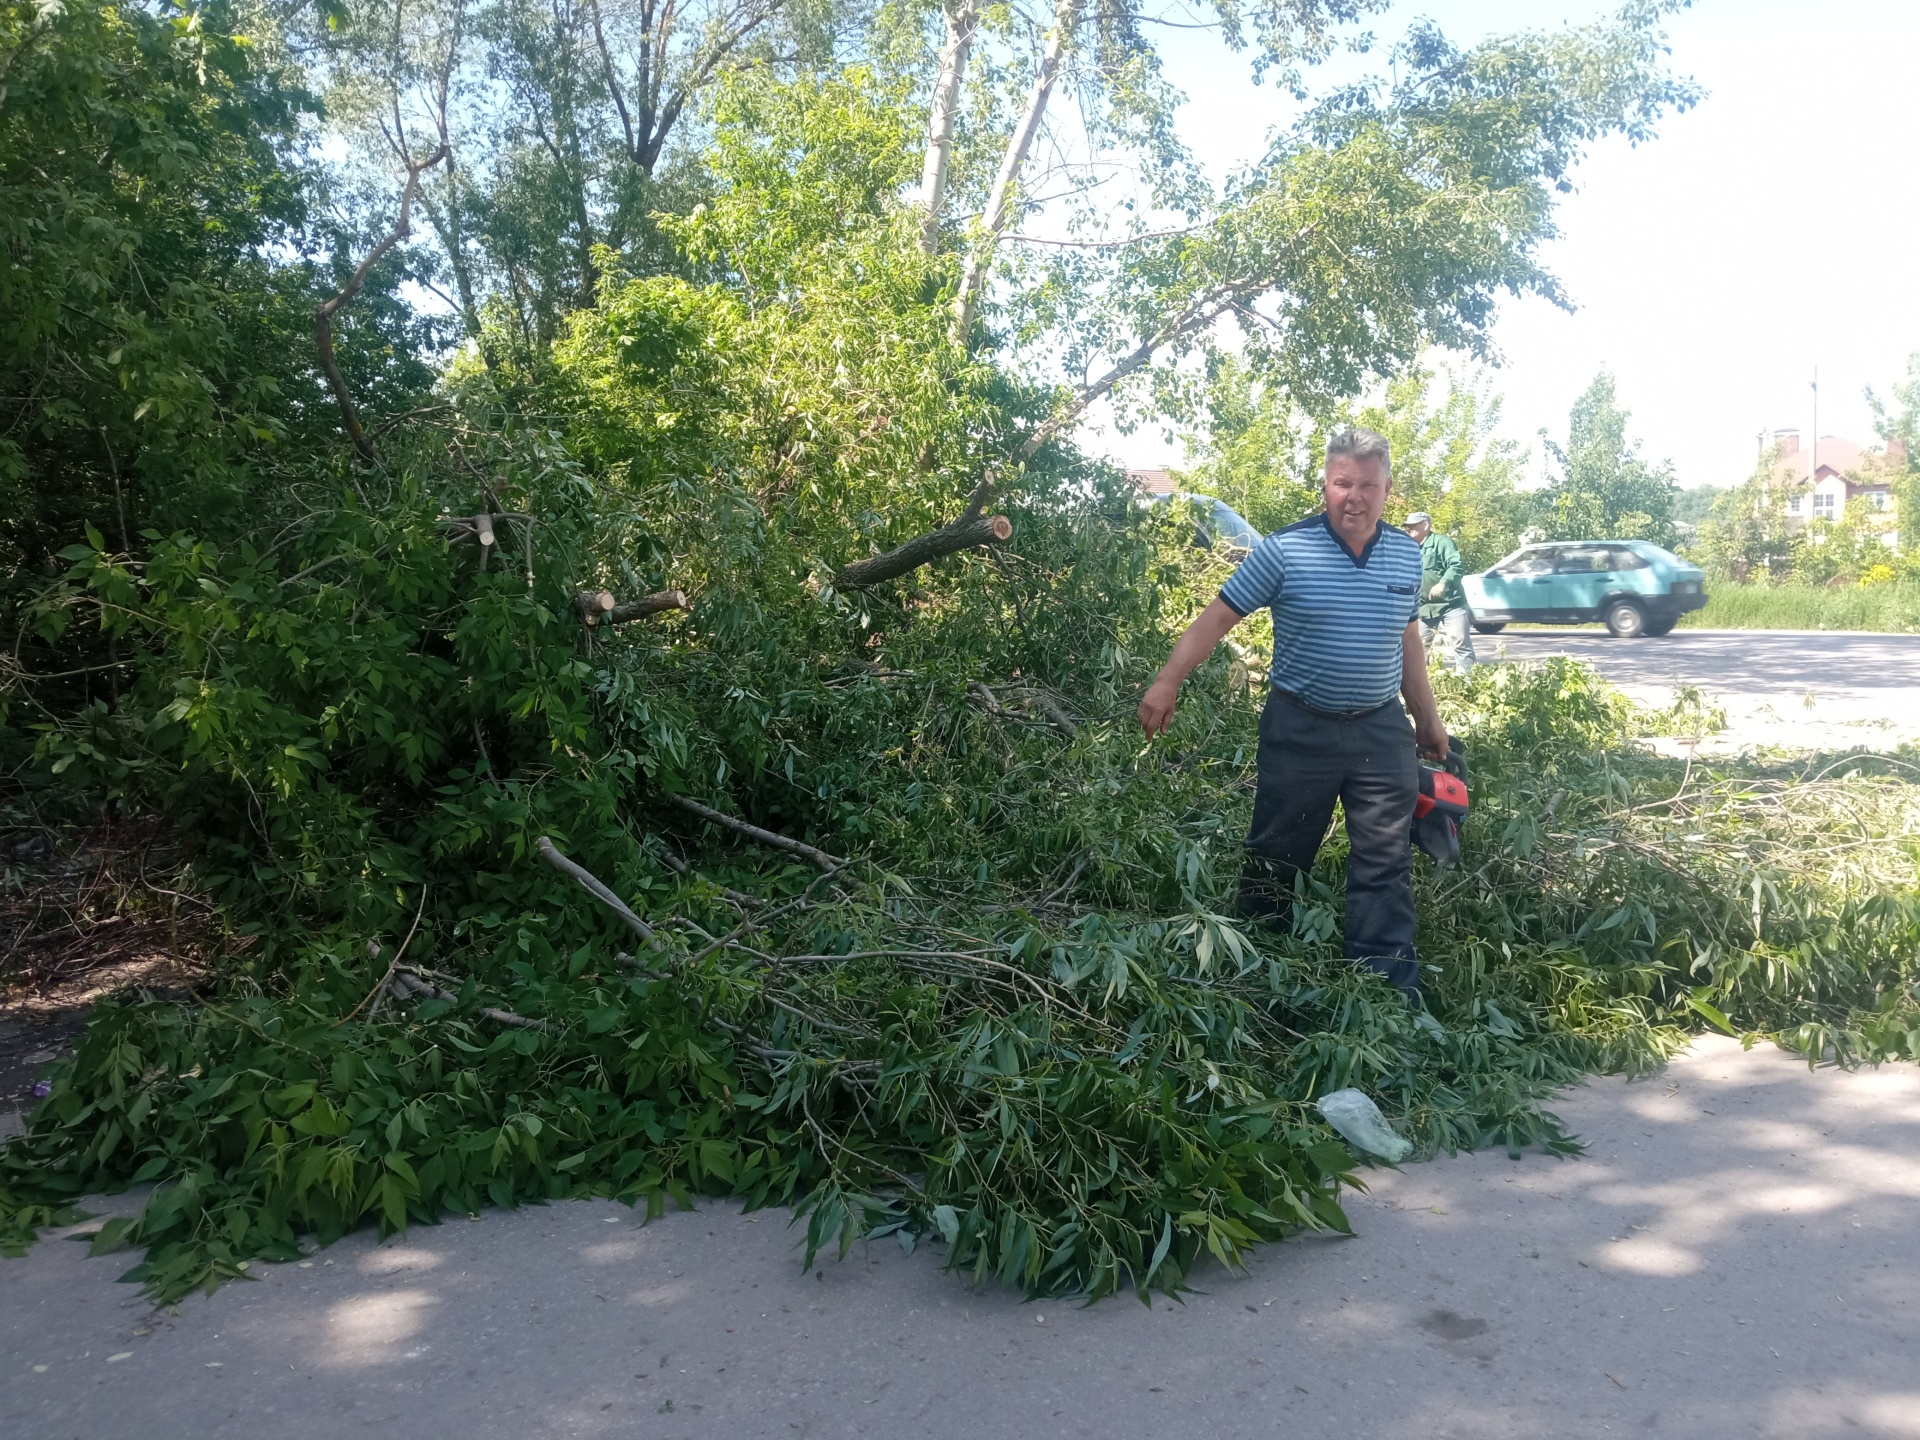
(1801, 689)
(1737, 1256)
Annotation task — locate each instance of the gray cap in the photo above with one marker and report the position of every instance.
(1420, 517)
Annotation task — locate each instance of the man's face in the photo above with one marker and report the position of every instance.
(1420, 531)
(1356, 492)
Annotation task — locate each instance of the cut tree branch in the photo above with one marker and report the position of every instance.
(826, 862)
(969, 532)
(408, 982)
(648, 605)
(323, 317)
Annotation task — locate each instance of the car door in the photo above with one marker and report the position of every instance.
(1583, 576)
(1528, 581)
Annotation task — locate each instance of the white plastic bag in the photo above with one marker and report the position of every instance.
(1359, 1120)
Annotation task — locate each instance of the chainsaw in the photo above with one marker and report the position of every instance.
(1441, 805)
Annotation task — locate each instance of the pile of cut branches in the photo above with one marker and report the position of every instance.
(704, 905)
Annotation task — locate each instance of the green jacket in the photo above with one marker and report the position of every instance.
(1440, 564)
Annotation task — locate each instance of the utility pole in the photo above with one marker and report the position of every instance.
(1813, 465)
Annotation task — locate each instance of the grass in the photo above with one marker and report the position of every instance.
(1887, 608)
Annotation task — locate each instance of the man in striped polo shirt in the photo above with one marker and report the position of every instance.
(1344, 588)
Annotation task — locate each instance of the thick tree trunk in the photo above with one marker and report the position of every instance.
(994, 221)
(963, 18)
(967, 533)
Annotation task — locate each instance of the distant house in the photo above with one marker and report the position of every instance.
(1823, 481)
(1153, 482)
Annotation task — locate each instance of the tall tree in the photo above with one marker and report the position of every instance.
(1603, 489)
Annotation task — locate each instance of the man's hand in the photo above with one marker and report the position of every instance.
(1438, 592)
(1212, 623)
(1429, 737)
(1156, 709)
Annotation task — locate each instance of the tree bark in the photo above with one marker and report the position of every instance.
(966, 533)
(323, 317)
(963, 19)
(994, 221)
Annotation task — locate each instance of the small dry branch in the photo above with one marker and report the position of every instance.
(408, 983)
(828, 863)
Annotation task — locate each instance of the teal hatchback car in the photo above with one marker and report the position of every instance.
(1633, 587)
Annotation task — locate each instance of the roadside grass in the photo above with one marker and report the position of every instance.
(1891, 609)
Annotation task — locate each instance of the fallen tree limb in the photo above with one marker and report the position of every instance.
(593, 887)
(590, 605)
(969, 532)
(826, 862)
(408, 982)
(647, 605)
(1030, 700)
(480, 528)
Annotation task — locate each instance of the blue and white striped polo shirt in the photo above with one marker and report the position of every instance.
(1337, 620)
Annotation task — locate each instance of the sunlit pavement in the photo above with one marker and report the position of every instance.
(1738, 1255)
(1797, 689)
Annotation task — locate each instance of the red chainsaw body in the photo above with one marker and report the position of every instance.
(1440, 791)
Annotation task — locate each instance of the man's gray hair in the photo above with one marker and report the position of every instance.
(1361, 445)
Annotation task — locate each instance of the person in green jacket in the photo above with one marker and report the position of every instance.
(1445, 620)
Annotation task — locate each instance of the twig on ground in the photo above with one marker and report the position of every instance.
(380, 985)
(408, 982)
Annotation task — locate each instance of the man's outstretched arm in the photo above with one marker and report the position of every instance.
(1207, 630)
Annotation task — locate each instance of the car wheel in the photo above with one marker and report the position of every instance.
(1661, 627)
(1489, 627)
(1626, 619)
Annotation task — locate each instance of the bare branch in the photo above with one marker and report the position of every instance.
(962, 20)
(323, 318)
(828, 863)
(994, 221)
(593, 887)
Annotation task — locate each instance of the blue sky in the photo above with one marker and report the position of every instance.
(1768, 231)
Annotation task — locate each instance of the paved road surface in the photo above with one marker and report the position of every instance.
(1738, 1256)
(1815, 690)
